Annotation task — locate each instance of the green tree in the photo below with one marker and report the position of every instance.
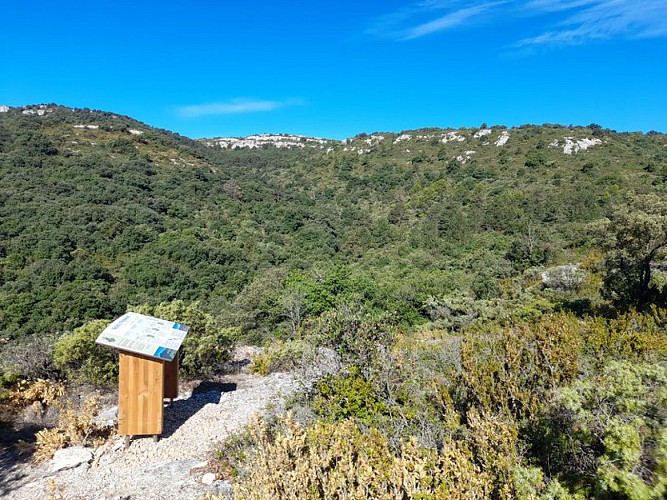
(633, 237)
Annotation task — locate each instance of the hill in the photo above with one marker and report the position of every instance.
(100, 211)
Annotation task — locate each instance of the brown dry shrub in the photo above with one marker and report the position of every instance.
(75, 428)
(40, 391)
(340, 461)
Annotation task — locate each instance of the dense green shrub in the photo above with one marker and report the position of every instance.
(80, 358)
(347, 396)
(360, 338)
(207, 344)
(614, 439)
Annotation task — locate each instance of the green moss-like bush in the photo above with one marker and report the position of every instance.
(620, 418)
(347, 396)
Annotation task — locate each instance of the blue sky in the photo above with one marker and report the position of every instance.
(205, 68)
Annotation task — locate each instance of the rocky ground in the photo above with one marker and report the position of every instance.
(175, 467)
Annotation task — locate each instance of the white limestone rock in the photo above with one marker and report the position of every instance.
(482, 132)
(502, 140)
(208, 478)
(402, 137)
(465, 156)
(276, 140)
(69, 458)
(572, 145)
(452, 137)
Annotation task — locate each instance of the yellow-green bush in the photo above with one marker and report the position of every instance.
(75, 427)
(44, 392)
(513, 369)
(289, 461)
(80, 358)
(279, 356)
(7, 379)
(633, 336)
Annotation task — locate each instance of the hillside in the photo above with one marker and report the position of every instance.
(100, 211)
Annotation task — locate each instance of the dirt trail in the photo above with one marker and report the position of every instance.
(171, 468)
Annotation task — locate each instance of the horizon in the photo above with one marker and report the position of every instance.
(397, 132)
(212, 70)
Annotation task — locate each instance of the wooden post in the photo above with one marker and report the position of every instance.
(171, 380)
(140, 395)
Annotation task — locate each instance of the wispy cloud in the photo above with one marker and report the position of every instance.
(580, 21)
(234, 106)
(450, 20)
(603, 19)
(417, 20)
(557, 5)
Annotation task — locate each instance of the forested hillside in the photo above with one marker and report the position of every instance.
(100, 211)
(477, 285)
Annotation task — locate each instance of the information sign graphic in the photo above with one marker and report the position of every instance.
(145, 335)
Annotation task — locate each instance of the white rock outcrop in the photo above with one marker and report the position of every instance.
(40, 110)
(465, 156)
(374, 140)
(504, 137)
(571, 145)
(482, 132)
(452, 137)
(261, 140)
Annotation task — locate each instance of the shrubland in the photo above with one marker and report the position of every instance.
(492, 324)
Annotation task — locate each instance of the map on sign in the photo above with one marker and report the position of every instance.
(145, 335)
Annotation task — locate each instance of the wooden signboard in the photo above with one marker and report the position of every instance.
(140, 395)
(146, 335)
(148, 370)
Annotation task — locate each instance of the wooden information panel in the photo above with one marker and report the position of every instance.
(140, 393)
(144, 335)
(148, 370)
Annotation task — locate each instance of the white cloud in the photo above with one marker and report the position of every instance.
(580, 20)
(404, 24)
(604, 19)
(558, 5)
(447, 21)
(234, 106)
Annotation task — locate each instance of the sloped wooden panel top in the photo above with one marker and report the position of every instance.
(141, 334)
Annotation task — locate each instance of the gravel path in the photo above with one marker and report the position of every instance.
(172, 468)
